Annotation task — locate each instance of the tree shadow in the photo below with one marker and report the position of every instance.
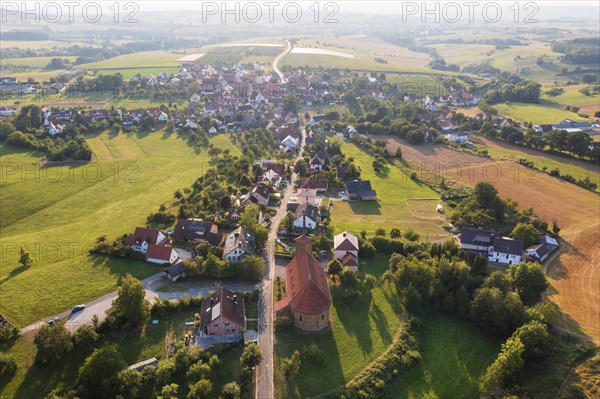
(13, 273)
(354, 318)
(382, 324)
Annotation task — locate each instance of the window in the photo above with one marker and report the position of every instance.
(215, 324)
(233, 330)
(322, 317)
(227, 330)
(300, 317)
(226, 323)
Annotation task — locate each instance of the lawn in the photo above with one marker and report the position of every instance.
(141, 60)
(390, 210)
(57, 212)
(455, 354)
(545, 112)
(359, 333)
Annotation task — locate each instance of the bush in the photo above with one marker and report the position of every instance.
(8, 332)
(312, 353)
(8, 364)
(85, 335)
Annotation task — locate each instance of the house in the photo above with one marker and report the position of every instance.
(271, 177)
(498, 249)
(258, 195)
(308, 184)
(238, 245)
(289, 142)
(174, 272)
(306, 217)
(308, 298)
(197, 230)
(143, 237)
(222, 313)
(360, 189)
(161, 254)
(544, 247)
(457, 137)
(55, 128)
(306, 196)
(212, 130)
(278, 167)
(317, 164)
(345, 248)
(195, 98)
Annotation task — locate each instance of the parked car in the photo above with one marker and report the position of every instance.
(345, 199)
(77, 308)
(53, 321)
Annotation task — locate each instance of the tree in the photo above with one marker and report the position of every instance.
(252, 268)
(506, 366)
(348, 279)
(129, 382)
(98, 374)
(529, 281)
(291, 365)
(200, 390)
(497, 312)
(369, 282)
(291, 103)
(485, 194)
(252, 355)
(395, 233)
(52, 342)
(380, 232)
(170, 125)
(198, 372)
(24, 258)
(85, 335)
(411, 235)
(231, 390)
(168, 392)
(534, 336)
(526, 233)
(300, 168)
(130, 309)
(334, 267)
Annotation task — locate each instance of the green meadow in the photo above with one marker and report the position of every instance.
(545, 112)
(57, 212)
(391, 209)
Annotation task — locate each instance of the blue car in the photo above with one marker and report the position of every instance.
(77, 308)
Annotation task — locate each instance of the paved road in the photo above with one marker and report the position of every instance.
(288, 48)
(264, 372)
(100, 306)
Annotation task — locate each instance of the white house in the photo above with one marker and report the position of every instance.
(540, 251)
(143, 237)
(498, 249)
(6, 111)
(195, 98)
(161, 254)
(345, 248)
(212, 130)
(190, 124)
(238, 245)
(54, 129)
(457, 137)
(162, 117)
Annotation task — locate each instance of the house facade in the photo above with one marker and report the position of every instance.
(238, 245)
(498, 249)
(306, 216)
(143, 237)
(222, 313)
(345, 248)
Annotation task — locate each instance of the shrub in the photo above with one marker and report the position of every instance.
(8, 364)
(312, 353)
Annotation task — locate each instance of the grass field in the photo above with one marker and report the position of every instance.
(545, 112)
(57, 212)
(572, 96)
(455, 354)
(391, 210)
(142, 60)
(359, 333)
(34, 62)
(505, 151)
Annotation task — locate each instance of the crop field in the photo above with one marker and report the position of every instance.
(234, 54)
(57, 212)
(545, 112)
(464, 54)
(41, 44)
(359, 333)
(504, 151)
(34, 62)
(141, 60)
(391, 209)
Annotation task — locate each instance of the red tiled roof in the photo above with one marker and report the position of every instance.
(222, 303)
(349, 260)
(142, 234)
(159, 252)
(306, 281)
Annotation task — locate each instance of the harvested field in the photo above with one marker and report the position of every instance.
(433, 157)
(424, 208)
(551, 198)
(575, 279)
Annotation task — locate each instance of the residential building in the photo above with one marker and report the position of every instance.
(258, 195)
(306, 216)
(238, 245)
(143, 237)
(161, 254)
(222, 313)
(197, 230)
(308, 298)
(499, 249)
(345, 248)
(544, 247)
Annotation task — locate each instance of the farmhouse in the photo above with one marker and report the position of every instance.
(306, 216)
(161, 254)
(222, 314)
(238, 245)
(345, 248)
(498, 249)
(571, 126)
(540, 251)
(360, 189)
(308, 298)
(143, 237)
